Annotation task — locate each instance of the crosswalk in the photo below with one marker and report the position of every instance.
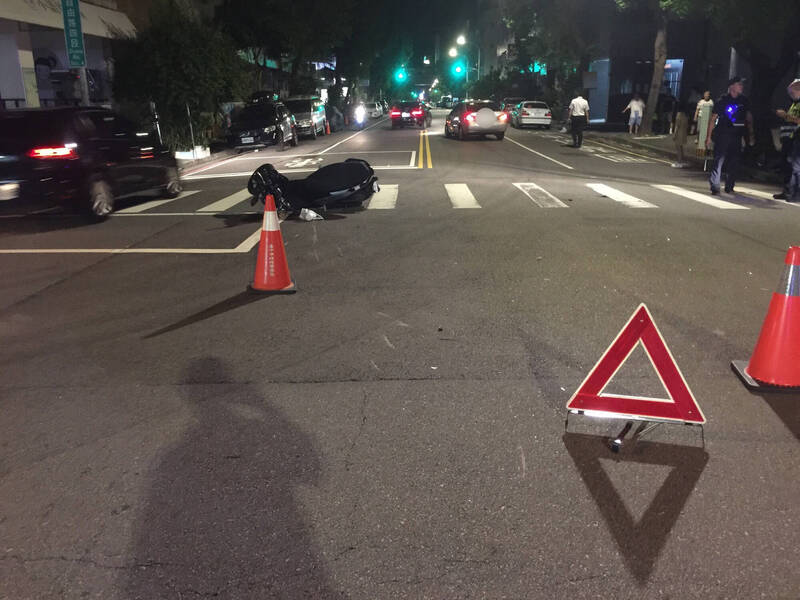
(462, 196)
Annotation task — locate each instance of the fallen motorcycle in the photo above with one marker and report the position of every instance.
(340, 185)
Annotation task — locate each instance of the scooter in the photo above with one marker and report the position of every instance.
(359, 117)
(340, 185)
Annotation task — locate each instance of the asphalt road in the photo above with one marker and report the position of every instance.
(396, 429)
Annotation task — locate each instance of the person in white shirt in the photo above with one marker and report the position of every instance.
(636, 106)
(579, 117)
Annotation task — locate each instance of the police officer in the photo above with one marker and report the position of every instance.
(730, 122)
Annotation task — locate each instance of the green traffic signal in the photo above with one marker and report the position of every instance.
(458, 69)
(400, 75)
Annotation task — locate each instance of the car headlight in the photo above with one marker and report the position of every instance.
(305, 123)
(269, 129)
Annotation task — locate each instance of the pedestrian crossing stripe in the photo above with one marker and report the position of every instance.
(460, 196)
(540, 196)
(698, 197)
(619, 196)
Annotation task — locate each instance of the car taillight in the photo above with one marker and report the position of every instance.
(65, 151)
(502, 116)
(548, 114)
(524, 113)
(395, 113)
(469, 117)
(416, 113)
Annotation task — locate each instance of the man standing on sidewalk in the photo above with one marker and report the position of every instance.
(579, 117)
(730, 122)
(636, 106)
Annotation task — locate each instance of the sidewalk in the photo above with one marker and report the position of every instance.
(663, 146)
(222, 154)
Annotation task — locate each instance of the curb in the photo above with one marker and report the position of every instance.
(185, 166)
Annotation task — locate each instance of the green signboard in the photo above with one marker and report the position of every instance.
(73, 33)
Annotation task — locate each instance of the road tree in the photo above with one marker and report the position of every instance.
(300, 30)
(177, 61)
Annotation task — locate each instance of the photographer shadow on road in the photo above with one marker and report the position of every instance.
(220, 517)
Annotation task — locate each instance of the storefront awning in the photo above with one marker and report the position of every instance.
(95, 20)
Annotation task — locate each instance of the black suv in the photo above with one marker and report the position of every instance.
(262, 124)
(84, 156)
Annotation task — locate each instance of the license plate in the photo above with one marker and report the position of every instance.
(405, 115)
(247, 140)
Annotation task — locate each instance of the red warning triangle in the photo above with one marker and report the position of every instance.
(681, 405)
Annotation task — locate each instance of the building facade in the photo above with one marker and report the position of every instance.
(34, 69)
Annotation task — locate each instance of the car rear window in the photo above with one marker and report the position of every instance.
(34, 128)
(535, 105)
(298, 106)
(371, 105)
(410, 105)
(255, 113)
(475, 106)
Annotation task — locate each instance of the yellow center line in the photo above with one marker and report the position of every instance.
(428, 147)
(419, 154)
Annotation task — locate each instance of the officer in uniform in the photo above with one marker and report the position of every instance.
(730, 122)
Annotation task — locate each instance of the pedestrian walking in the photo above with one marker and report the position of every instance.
(694, 98)
(790, 140)
(730, 123)
(791, 190)
(579, 118)
(680, 133)
(666, 109)
(636, 106)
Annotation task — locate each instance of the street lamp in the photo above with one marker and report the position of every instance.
(453, 52)
(461, 40)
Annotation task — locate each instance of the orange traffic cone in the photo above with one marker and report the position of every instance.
(327, 127)
(272, 270)
(776, 359)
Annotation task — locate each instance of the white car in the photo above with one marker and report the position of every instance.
(374, 110)
(531, 112)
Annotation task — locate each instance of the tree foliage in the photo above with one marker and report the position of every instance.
(178, 61)
(299, 30)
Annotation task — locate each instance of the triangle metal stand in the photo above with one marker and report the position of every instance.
(646, 425)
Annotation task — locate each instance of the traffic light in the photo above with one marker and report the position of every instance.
(400, 75)
(458, 69)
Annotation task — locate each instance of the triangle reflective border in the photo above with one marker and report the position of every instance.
(681, 406)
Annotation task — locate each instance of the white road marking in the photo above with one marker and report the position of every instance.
(460, 196)
(288, 171)
(764, 195)
(186, 214)
(540, 154)
(702, 198)
(120, 251)
(413, 161)
(386, 199)
(250, 242)
(226, 203)
(212, 165)
(618, 196)
(666, 162)
(351, 137)
(540, 196)
(153, 204)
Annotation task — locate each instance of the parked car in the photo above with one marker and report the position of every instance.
(446, 102)
(374, 110)
(84, 157)
(261, 124)
(510, 103)
(476, 117)
(531, 112)
(309, 114)
(410, 113)
(335, 117)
